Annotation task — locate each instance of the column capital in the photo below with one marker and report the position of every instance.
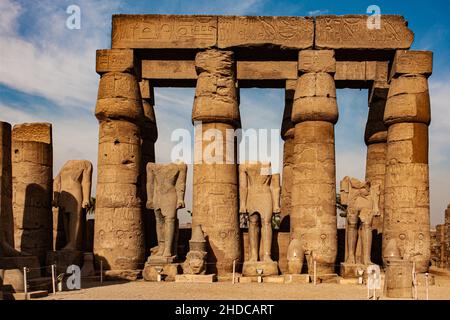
(316, 61)
(412, 62)
(116, 60)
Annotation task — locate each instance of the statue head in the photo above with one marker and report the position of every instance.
(195, 263)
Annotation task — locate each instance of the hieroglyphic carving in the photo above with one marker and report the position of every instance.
(287, 32)
(351, 32)
(164, 31)
(114, 60)
(408, 62)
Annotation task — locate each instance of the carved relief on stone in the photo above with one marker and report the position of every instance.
(362, 201)
(259, 193)
(166, 184)
(196, 258)
(72, 192)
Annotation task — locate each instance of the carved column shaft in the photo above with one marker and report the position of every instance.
(119, 234)
(216, 182)
(6, 215)
(32, 176)
(287, 134)
(149, 134)
(313, 217)
(375, 138)
(407, 116)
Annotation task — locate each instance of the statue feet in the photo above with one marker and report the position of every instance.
(69, 247)
(267, 258)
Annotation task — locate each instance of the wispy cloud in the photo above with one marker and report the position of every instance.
(317, 12)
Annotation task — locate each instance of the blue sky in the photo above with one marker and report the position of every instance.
(47, 73)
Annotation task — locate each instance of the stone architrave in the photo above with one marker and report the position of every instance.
(32, 176)
(314, 112)
(155, 31)
(362, 201)
(166, 185)
(286, 32)
(215, 116)
(72, 193)
(287, 134)
(119, 235)
(352, 32)
(407, 117)
(259, 193)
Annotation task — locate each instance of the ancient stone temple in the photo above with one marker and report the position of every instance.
(310, 58)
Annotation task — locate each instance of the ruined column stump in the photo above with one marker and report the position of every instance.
(119, 234)
(215, 181)
(407, 116)
(32, 176)
(313, 217)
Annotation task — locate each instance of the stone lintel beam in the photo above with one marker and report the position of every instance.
(286, 33)
(352, 32)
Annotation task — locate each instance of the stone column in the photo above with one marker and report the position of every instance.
(149, 133)
(119, 234)
(313, 217)
(6, 215)
(216, 181)
(32, 176)
(287, 134)
(407, 116)
(375, 138)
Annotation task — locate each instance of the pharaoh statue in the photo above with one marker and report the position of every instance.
(259, 193)
(196, 258)
(72, 192)
(361, 199)
(166, 184)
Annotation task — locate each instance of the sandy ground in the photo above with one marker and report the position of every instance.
(142, 290)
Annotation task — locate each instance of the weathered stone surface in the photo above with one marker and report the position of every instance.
(398, 279)
(196, 278)
(313, 217)
(164, 31)
(351, 32)
(286, 32)
(362, 201)
(216, 94)
(119, 236)
(352, 270)
(72, 193)
(195, 263)
(412, 62)
(166, 185)
(32, 165)
(317, 61)
(168, 272)
(246, 70)
(287, 134)
(215, 202)
(115, 60)
(259, 194)
(20, 262)
(266, 70)
(376, 138)
(407, 200)
(296, 278)
(269, 268)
